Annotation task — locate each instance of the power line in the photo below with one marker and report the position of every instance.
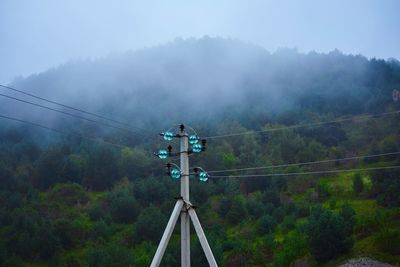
(306, 163)
(67, 113)
(65, 106)
(61, 132)
(305, 125)
(305, 173)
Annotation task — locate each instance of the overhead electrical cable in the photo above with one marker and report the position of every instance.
(62, 132)
(65, 106)
(67, 113)
(306, 163)
(358, 117)
(305, 173)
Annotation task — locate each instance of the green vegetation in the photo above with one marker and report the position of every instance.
(358, 184)
(71, 202)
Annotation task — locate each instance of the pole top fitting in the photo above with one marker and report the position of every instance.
(182, 127)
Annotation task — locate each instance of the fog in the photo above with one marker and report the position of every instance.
(159, 62)
(205, 80)
(38, 35)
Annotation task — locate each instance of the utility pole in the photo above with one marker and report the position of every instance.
(183, 207)
(185, 221)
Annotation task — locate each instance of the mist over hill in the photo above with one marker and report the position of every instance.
(287, 195)
(210, 79)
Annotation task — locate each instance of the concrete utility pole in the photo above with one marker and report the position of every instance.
(183, 207)
(185, 221)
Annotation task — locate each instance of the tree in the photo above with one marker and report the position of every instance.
(266, 224)
(110, 254)
(145, 190)
(348, 215)
(65, 232)
(45, 242)
(294, 246)
(358, 184)
(150, 225)
(100, 229)
(287, 144)
(230, 160)
(271, 195)
(386, 187)
(224, 206)
(7, 180)
(134, 163)
(328, 234)
(312, 152)
(102, 170)
(124, 209)
(74, 167)
(288, 223)
(49, 167)
(237, 212)
(68, 194)
(254, 205)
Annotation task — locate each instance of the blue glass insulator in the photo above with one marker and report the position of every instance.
(193, 139)
(175, 173)
(196, 148)
(168, 136)
(163, 154)
(203, 176)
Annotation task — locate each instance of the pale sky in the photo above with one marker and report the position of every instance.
(36, 35)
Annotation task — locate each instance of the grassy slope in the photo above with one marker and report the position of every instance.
(364, 245)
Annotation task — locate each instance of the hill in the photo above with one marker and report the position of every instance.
(73, 201)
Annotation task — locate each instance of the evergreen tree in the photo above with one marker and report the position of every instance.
(328, 234)
(358, 184)
(237, 211)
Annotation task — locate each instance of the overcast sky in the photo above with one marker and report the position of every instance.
(39, 34)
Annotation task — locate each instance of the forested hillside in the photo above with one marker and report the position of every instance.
(86, 193)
